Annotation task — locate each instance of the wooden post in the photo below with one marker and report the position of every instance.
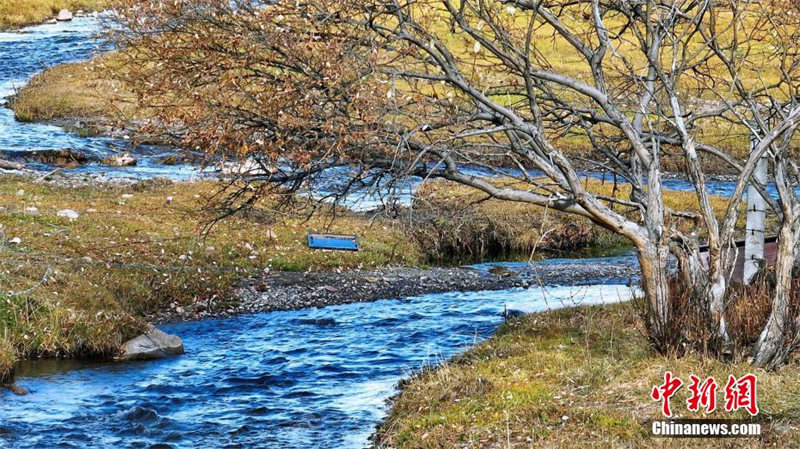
(756, 218)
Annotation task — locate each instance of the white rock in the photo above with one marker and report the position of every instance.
(20, 192)
(15, 241)
(64, 16)
(91, 210)
(127, 195)
(68, 213)
(153, 344)
(31, 210)
(120, 160)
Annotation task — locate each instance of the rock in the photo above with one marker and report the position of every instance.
(127, 196)
(120, 160)
(65, 158)
(11, 165)
(51, 21)
(510, 314)
(68, 213)
(31, 210)
(16, 389)
(15, 241)
(502, 271)
(154, 344)
(20, 192)
(64, 16)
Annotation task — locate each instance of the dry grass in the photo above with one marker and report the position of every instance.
(79, 91)
(575, 378)
(79, 288)
(456, 223)
(76, 92)
(18, 13)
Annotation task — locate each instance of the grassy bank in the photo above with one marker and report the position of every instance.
(18, 13)
(85, 92)
(81, 287)
(76, 92)
(572, 378)
(452, 222)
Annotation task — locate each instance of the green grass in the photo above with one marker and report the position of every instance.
(18, 13)
(573, 378)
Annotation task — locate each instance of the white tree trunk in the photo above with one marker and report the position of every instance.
(653, 260)
(769, 349)
(756, 218)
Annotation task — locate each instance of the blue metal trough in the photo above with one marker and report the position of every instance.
(338, 242)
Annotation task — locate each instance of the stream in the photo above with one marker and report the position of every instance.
(312, 378)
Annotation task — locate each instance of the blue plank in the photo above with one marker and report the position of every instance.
(339, 242)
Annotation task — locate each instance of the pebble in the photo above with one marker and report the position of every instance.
(68, 213)
(31, 210)
(280, 290)
(15, 241)
(20, 192)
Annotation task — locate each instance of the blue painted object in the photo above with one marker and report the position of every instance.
(338, 242)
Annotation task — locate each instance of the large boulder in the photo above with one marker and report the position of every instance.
(64, 16)
(153, 344)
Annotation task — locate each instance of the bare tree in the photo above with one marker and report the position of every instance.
(515, 98)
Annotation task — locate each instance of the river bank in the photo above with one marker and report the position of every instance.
(284, 290)
(573, 378)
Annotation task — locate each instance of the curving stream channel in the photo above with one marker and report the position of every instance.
(313, 378)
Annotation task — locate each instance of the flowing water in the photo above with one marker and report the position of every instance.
(313, 378)
(26, 52)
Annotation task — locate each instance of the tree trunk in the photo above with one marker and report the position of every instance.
(769, 349)
(653, 261)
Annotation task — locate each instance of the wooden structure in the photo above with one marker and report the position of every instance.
(770, 255)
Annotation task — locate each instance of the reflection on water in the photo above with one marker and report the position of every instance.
(299, 379)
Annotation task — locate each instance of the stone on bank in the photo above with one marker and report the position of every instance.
(153, 344)
(64, 16)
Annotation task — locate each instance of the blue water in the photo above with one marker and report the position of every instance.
(314, 378)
